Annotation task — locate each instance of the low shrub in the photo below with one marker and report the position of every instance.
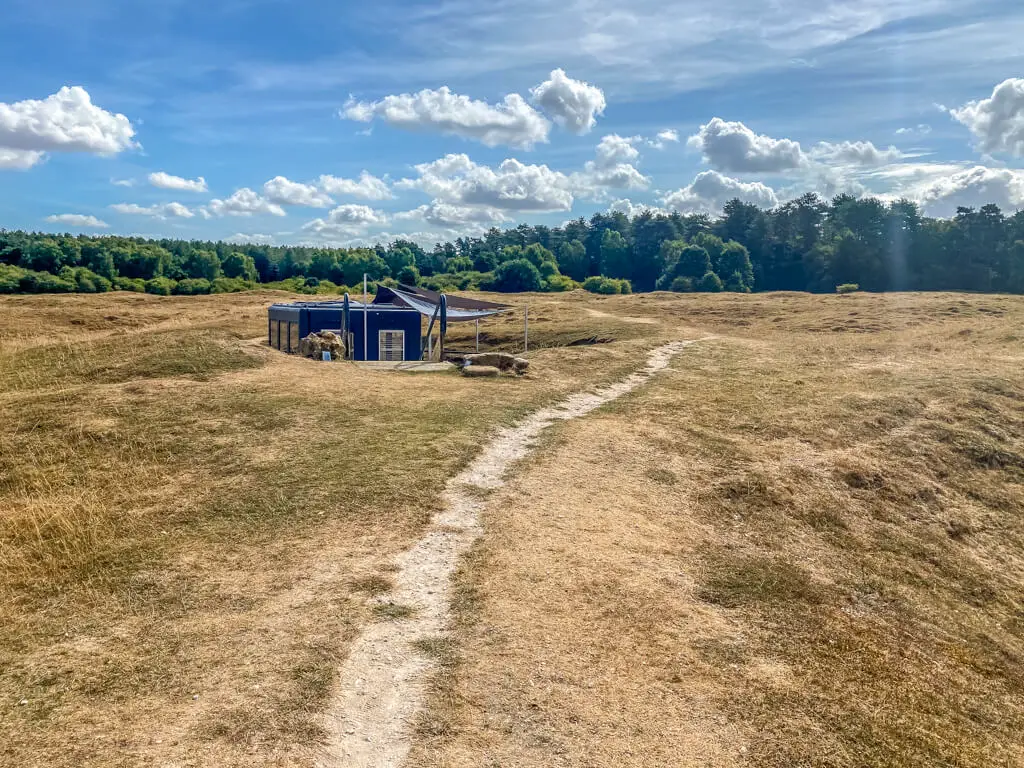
(736, 284)
(560, 284)
(160, 286)
(44, 282)
(847, 288)
(85, 280)
(235, 285)
(10, 278)
(455, 281)
(409, 275)
(192, 287)
(682, 285)
(459, 264)
(606, 285)
(710, 283)
(133, 284)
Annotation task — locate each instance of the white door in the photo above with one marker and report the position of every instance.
(392, 345)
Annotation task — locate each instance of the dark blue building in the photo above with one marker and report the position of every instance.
(392, 332)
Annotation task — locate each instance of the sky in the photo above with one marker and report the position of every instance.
(331, 123)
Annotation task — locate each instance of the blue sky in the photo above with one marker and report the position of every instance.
(317, 122)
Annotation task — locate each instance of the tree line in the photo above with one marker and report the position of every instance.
(807, 244)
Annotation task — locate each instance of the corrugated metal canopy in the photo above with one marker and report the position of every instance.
(426, 302)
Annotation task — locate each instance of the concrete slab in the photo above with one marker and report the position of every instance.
(413, 366)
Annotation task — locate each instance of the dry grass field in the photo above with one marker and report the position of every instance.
(801, 545)
(191, 521)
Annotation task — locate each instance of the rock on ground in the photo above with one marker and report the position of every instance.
(481, 370)
(316, 344)
(503, 361)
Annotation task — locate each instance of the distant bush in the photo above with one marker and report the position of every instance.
(292, 284)
(85, 280)
(192, 287)
(44, 282)
(233, 285)
(606, 285)
(682, 285)
(10, 278)
(409, 275)
(459, 264)
(710, 283)
(129, 284)
(328, 288)
(160, 286)
(560, 283)
(515, 276)
(456, 281)
(847, 288)
(737, 284)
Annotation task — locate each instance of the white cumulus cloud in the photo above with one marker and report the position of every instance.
(449, 216)
(998, 121)
(573, 104)
(367, 186)
(244, 202)
(157, 211)
(345, 221)
(735, 148)
(710, 191)
(922, 129)
(66, 121)
(512, 186)
(854, 153)
(19, 159)
(664, 138)
(631, 209)
(77, 220)
(240, 238)
(167, 181)
(612, 168)
(287, 192)
(512, 122)
(972, 188)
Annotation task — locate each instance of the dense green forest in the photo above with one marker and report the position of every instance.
(807, 244)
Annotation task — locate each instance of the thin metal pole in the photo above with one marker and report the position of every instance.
(526, 325)
(366, 317)
(478, 335)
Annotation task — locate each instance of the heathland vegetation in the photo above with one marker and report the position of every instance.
(807, 244)
(800, 546)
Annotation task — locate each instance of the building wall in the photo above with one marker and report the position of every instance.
(312, 319)
(410, 322)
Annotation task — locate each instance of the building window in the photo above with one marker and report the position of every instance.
(293, 337)
(391, 345)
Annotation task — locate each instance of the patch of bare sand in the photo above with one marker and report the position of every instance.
(639, 320)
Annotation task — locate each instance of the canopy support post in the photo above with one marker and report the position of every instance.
(428, 345)
(443, 328)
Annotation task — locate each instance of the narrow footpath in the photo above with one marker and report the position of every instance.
(382, 682)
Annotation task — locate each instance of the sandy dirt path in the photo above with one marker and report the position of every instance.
(639, 320)
(382, 682)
